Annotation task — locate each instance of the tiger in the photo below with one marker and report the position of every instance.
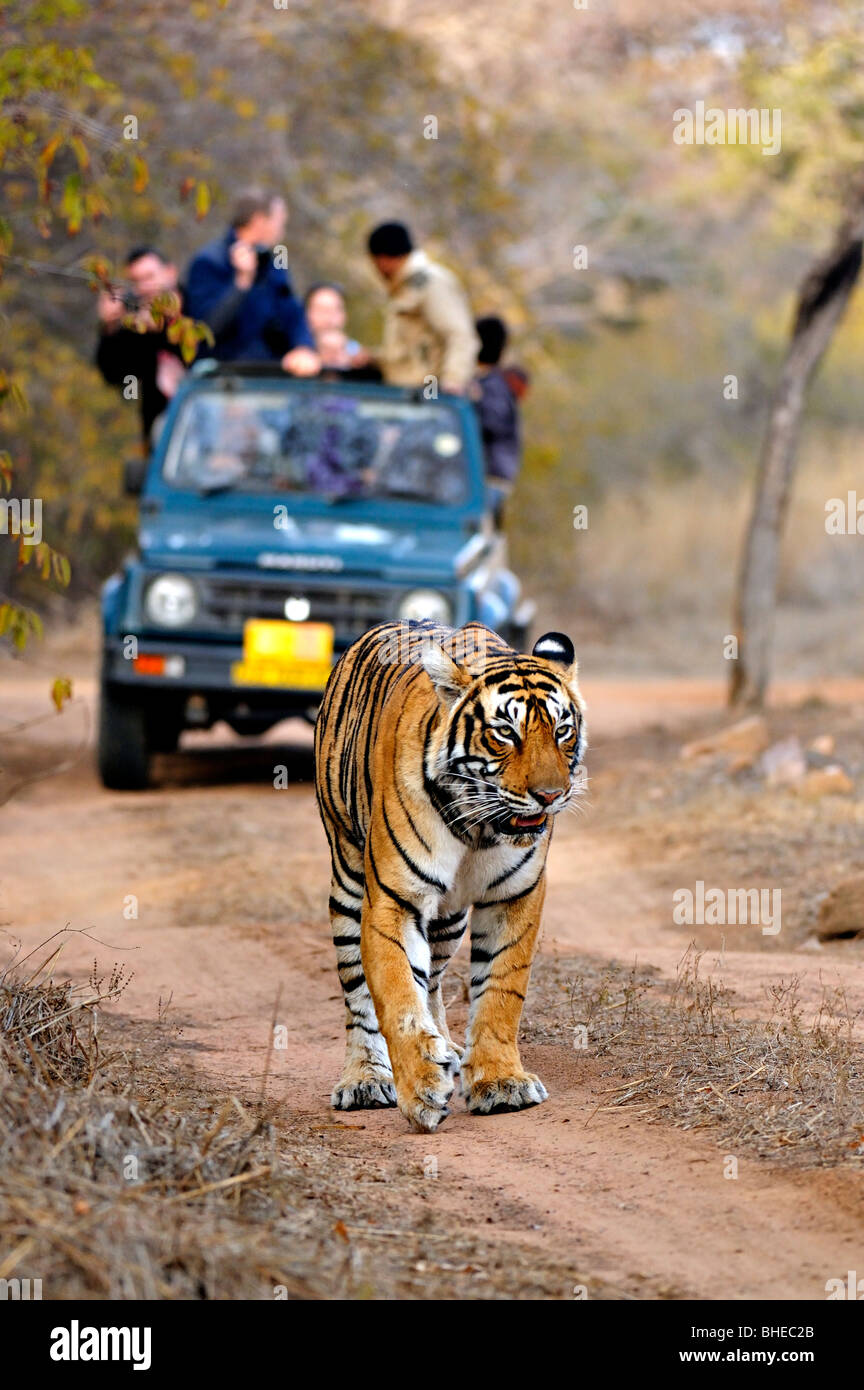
(442, 757)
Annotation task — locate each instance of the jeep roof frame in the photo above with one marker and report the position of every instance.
(214, 370)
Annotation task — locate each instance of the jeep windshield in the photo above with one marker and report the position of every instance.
(328, 444)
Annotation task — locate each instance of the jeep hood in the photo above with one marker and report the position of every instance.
(335, 543)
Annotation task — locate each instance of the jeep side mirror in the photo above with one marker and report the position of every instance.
(134, 472)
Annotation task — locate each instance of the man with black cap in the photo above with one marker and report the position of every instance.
(428, 328)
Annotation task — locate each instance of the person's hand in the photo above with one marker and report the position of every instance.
(169, 373)
(450, 388)
(244, 259)
(301, 361)
(110, 309)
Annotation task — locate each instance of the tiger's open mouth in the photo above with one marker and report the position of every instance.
(528, 822)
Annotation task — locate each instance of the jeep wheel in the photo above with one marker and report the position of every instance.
(124, 748)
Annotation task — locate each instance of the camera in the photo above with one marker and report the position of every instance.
(128, 297)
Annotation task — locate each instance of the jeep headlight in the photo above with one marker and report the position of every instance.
(170, 601)
(426, 604)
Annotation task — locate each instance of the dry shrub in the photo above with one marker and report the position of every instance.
(114, 1186)
(48, 1030)
(785, 1085)
(123, 1177)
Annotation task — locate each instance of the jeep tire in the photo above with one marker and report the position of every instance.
(124, 746)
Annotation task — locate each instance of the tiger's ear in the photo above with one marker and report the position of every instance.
(449, 678)
(557, 648)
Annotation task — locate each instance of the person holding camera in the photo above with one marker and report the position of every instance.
(240, 288)
(133, 352)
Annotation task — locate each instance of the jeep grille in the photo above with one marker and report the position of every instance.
(227, 603)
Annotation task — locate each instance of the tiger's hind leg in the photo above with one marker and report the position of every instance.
(445, 934)
(366, 1082)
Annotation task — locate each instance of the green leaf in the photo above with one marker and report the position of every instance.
(61, 691)
(202, 200)
(61, 568)
(82, 154)
(72, 203)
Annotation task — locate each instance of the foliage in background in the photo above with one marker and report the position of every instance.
(554, 130)
(64, 165)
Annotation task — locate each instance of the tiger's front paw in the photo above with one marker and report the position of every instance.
(426, 1084)
(367, 1088)
(494, 1096)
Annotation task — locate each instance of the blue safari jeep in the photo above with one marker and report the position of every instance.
(279, 520)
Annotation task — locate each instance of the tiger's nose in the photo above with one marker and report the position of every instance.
(546, 795)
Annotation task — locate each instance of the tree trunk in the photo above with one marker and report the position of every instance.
(822, 301)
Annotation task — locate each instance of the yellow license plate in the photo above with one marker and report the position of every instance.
(295, 655)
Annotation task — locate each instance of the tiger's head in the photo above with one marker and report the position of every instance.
(514, 737)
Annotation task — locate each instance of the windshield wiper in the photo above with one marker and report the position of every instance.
(224, 485)
(334, 498)
(404, 495)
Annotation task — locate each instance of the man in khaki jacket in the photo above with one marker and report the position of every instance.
(428, 326)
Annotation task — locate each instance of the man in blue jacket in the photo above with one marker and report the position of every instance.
(236, 287)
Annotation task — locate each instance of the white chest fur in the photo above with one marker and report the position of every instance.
(484, 875)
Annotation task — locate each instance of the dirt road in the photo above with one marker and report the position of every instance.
(213, 889)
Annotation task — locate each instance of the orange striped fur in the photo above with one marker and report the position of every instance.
(442, 757)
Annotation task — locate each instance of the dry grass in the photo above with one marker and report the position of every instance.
(788, 1086)
(122, 1178)
(688, 820)
(648, 586)
(106, 1188)
(647, 548)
